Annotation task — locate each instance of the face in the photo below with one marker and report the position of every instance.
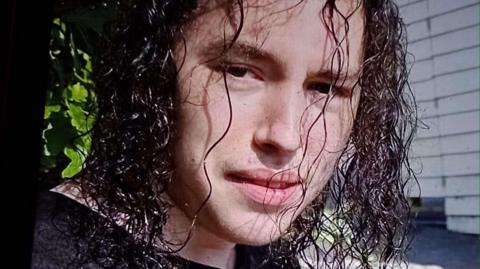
(261, 123)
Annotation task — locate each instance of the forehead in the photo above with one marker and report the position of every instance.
(307, 29)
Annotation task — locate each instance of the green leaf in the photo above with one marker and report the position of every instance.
(75, 165)
(88, 64)
(86, 143)
(82, 144)
(57, 21)
(78, 92)
(58, 134)
(49, 109)
(70, 106)
(78, 117)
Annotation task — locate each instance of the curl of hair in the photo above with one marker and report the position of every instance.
(135, 85)
(369, 221)
(130, 165)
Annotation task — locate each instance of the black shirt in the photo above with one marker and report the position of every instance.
(59, 244)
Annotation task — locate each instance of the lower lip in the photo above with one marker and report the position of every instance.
(267, 196)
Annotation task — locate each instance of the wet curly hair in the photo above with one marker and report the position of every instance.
(362, 220)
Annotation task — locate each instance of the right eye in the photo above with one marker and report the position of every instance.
(238, 71)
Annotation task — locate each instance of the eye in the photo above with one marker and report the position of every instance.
(236, 71)
(321, 87)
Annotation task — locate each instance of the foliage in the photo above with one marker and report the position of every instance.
(70, 105)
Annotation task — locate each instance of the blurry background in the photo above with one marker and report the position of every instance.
(444, 39)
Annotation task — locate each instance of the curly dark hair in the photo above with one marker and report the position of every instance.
(130, 164)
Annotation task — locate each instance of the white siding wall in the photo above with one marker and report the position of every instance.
(444, 37)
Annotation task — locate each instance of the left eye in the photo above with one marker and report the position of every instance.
(236, 71)
(321, 87)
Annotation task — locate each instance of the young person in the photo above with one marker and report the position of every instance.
(224, 129)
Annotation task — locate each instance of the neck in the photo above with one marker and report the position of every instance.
(203, 246)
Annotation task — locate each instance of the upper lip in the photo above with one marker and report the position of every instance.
(266, 177)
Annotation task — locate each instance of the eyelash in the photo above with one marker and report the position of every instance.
(324, 88)
(236, 70)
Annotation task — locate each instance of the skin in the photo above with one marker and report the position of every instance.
(278, 77)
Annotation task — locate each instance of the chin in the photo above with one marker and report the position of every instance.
(254, 228)
(257, 238)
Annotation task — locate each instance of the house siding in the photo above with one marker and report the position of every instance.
(444, 39)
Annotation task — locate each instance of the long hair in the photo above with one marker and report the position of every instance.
(130, 165)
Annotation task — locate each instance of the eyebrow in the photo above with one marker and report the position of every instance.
(219, 49)
(342, 77)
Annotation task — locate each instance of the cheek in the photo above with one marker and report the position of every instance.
(328, 132)
(201, 99)
(327, 140)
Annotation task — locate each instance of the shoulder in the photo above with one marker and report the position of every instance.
(54, 241)
(69, 234)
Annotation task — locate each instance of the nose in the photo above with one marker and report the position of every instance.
(278, 135)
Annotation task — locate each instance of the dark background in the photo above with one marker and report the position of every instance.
(25, 29)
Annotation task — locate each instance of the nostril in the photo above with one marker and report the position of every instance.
(269, 147)
(284, 144)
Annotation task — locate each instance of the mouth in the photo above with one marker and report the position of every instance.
(266, 187)
(267, 183)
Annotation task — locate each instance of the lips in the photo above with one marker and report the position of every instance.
(268, 184)
(265, 186)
